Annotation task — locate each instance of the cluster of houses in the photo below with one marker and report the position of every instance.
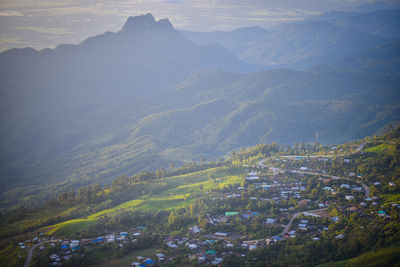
(69, 248)
(205, 251)
(212, 248)
(147, 261)
(252, 176)
(36, 239)
(58, 259)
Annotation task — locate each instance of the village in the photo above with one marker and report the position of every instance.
(300, 207)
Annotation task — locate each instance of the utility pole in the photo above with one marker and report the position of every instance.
(316, 140)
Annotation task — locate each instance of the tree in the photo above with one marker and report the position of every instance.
(302, 146)
(172, 218)
(373, 191)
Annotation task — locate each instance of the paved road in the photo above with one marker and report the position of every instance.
(294, 216)
(32, 249)
(364, 186)
(289, 225)
(30, 254)
(359, 148)
(261, 163)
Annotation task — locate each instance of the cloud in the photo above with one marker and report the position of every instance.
(7, 13)
(11, 41)
(46, 30)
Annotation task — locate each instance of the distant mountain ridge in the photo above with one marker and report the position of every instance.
(307, 44)
(383, 59)
(235, 41)
(384, 23)
(296, 45)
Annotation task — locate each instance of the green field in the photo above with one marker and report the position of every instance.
(177, 195)
(385, 257)
(35, 219)
(378, 149)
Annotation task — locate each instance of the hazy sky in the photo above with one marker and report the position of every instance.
(46, 23)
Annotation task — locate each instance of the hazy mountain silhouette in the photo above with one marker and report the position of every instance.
(372, 6)
(236, 41)
(384, 23)
(299, 45)
(383, 59)
(54, 99)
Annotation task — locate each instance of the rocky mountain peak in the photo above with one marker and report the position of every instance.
(146, 22)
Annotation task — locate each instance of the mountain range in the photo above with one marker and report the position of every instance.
(329, 38)
(384, 23)
(150, 95)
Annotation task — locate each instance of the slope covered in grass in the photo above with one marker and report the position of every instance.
(384, 257)
(178, 193)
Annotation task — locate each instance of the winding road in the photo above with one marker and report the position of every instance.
(364, 186)
(32, 249)
(294, 216)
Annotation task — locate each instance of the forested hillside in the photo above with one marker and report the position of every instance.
(208, 115)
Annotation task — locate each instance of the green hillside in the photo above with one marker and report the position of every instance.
(380, 258)
(164, 205)
(156, 195)
(207, 115)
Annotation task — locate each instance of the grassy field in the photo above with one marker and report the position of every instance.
(381, 258)
(177, 195)
(74, 226)
(385, 257)
(378, 149)
(34, 219)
